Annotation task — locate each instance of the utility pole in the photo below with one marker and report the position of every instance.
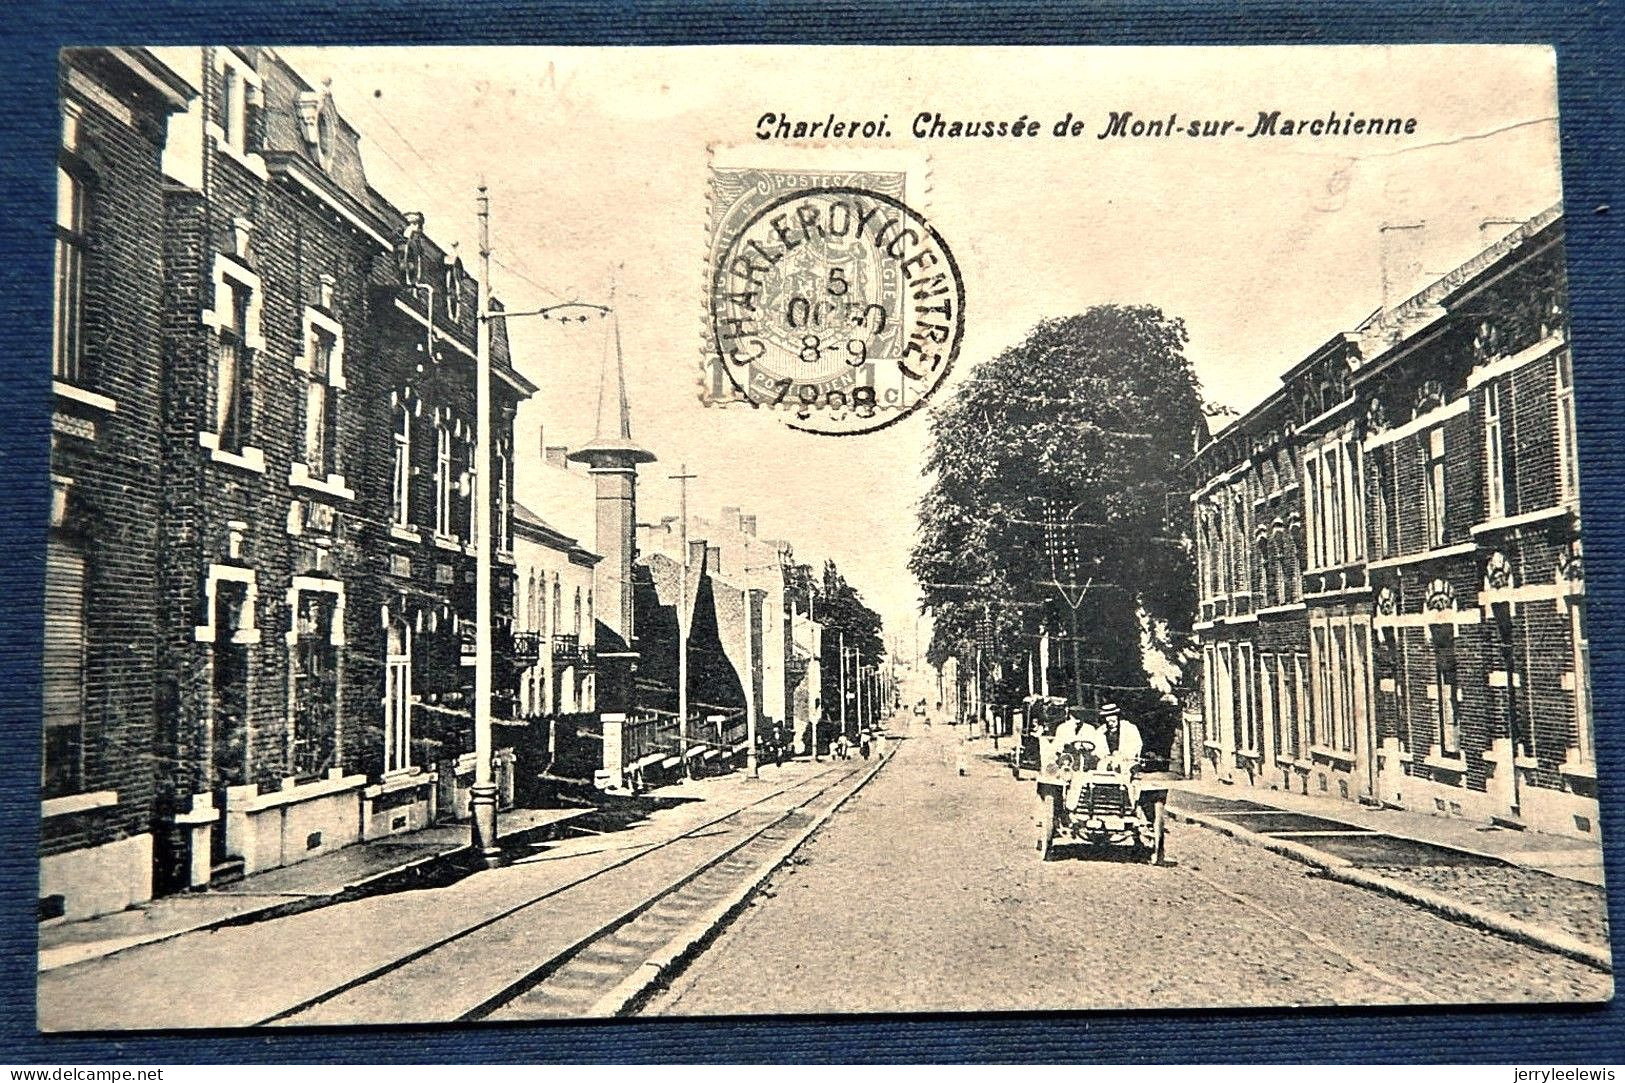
(482, 804)
(751, 770)
(842, 663)
(816, 713)
(682, 477)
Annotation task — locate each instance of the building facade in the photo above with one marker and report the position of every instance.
(102, 721)
(554, 620)
(1390, 560)
(292, 607)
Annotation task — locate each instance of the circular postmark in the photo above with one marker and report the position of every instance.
(839, 304)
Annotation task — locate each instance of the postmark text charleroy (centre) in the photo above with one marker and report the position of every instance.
(841, 305)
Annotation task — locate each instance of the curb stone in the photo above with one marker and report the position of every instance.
(1344, 871)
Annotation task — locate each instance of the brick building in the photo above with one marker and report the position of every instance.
(101, 626)
(318, 553)
(1480, 653)
(1392, 589)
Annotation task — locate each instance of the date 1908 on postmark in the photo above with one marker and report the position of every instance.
(839, 304)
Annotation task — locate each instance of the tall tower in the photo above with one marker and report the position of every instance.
(612, 459)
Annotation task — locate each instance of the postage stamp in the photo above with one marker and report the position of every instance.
(840, 301)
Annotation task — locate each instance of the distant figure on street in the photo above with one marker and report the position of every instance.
(841, 746)
(863, 745)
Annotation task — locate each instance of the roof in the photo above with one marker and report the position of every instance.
(536, 528)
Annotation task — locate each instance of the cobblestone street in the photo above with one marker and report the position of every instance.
(925, 894)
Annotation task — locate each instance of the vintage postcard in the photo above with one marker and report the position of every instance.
(555, 533)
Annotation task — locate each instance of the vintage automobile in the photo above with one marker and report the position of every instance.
(1085, 796)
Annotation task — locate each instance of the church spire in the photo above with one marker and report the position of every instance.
(612, 438)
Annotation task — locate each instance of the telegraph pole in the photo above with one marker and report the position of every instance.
(751, 767)
(841, 640)
(682, 477)
(482, 803)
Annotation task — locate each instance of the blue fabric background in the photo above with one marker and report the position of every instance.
(1588, 40)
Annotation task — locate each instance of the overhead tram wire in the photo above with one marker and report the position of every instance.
(523, 272)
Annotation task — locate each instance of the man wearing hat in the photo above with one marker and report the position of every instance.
(1121, 740)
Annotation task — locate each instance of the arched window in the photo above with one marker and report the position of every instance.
(398, 697)
(403, 465)
(556, 610)
(591, 626)
(578, 614)
(533, 606)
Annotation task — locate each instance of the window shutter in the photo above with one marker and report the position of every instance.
(64, 655)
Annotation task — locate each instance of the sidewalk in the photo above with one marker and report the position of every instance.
(1538, 888)
(239, 972)
(277, 892)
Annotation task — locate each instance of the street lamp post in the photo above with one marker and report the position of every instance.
(682, 477)
(482, 800)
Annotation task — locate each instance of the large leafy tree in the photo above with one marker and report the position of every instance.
(1057, 478)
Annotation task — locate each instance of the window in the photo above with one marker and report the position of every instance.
(1349, 673)
(469, 467)
(504, 538)
(1332, 479)
(1286, 714)
(454, 293)
(228, 716)
(1311, 507)
(1494, 457)
(442, 479)
(1244, 575)
(1210, 678)
(237, 105)
(1433, 488)
(1249, 726)
(556, 603)
(590, 625)
(322, 401)
(402, 485)
(231, 106)
(1305, 705)
(1444, 668)
(68, 354)
(1511, 666)
(1383, 505)
(1402, 686)
(315, 684)
(232, 400)
(1585, 747)
(398, 698)
(1353, 502)
(1568, 455)
(63, 676)
(533, 606)
(1269, 707)
(578, 613)
(1321, 689)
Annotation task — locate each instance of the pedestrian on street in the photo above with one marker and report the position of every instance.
(863, 745)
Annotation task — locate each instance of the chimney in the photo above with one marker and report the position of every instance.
(1400, 255)
(555, 456)
(696, 553)
(747, 523)
(730, 518)
(713, 559)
